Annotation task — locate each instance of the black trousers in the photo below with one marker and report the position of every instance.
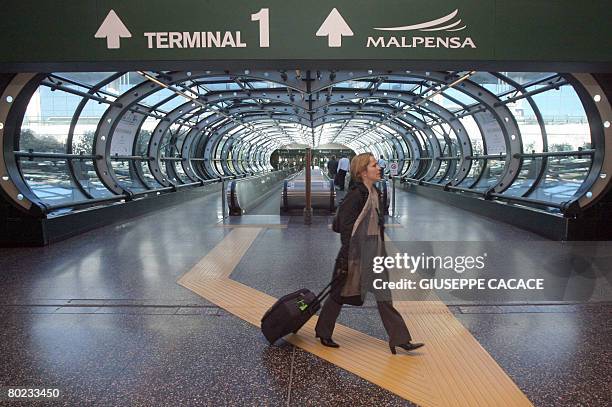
(392, 320)
(341, 177)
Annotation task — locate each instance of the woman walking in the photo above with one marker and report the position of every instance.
(361, 227)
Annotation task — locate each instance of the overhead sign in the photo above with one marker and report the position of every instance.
(411, 30)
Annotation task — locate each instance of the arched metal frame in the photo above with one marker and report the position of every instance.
(244, 125)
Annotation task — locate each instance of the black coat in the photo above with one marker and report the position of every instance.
(332, 166)
(348, 212)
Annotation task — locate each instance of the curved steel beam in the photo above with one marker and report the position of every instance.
(13, 103)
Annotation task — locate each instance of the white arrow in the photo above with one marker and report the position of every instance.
(334, 27)
(112, 29)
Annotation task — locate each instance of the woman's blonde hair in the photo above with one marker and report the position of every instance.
(360, 163)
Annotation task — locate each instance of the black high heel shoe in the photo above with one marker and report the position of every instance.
(329, 343)
(406, 346)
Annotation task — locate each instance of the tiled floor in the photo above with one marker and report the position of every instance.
(100, 317)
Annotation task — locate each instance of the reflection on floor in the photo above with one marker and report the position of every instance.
(100, 317)
(452, 370)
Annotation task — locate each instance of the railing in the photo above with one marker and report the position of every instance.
(127, 195)
(568, 208)
(246, 193)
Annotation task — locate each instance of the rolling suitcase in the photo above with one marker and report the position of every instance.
(292, 311)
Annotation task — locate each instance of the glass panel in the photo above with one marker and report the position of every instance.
(474, 134)
(198, 167)
(218, 168)
(567, 130)
(85, 173)
(216, 87)
(490, 82)
(425, 147)
(168, 148)
(167, 172)
(230, 164)
(207, 80)
(144, 136)
(180, 139)
(531, 134)
(492, 173)
(32, 140)
(244, 165)
(146, 174)
(162, 94)
(50, 180)
(47, 120)
(178, 167)
(172, 104)
(523, 78)
(440, 134)
(461, 97)
(440, 174)
(450, 148)
(354, 84)
(85, 129)
(124, 83)
(126, 176)
(423, 167)
(116, 87)
(564, 175)
(219, 148)
(564, 118)
(526, 177)
(398, 87)
(473, 174)
(86, 78)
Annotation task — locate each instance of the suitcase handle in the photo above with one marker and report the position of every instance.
(325, 292)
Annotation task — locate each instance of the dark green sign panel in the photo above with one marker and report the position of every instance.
(192, 30)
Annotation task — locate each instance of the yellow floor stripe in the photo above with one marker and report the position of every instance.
(224, 257)
(387, 225)
(252, 225)
(452, 370)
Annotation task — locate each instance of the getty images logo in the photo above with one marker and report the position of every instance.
(446, 24)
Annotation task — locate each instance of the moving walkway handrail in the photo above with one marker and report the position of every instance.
(293, 196)
(568, 208)
(47, 208)
(238, 205)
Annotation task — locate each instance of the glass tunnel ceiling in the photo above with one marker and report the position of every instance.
(532, 135)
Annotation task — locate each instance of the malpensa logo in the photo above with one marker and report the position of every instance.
(446, 24)
(433, 25)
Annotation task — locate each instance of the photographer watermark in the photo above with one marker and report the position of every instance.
(458, 264)
(411, 263)
(512, 271)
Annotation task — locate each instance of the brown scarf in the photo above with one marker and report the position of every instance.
(364, 245)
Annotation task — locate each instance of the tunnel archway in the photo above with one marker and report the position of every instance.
(73, 137)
